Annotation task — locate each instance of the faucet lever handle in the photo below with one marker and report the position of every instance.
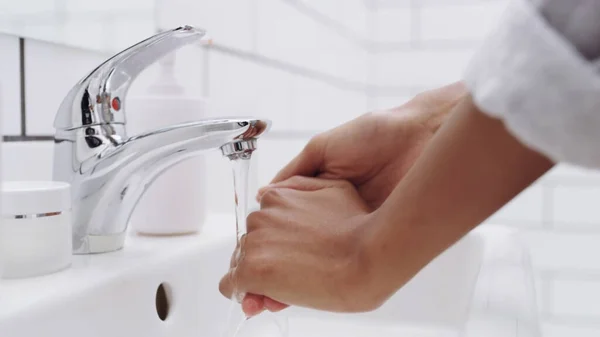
(97, 98)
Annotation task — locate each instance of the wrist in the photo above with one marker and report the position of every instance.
(398, 244)
(431, 108)
(389, 256)
(366, 286)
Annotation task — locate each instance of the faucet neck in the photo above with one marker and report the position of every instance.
(98, 98)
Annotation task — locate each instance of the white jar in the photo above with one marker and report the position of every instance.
(36, 228)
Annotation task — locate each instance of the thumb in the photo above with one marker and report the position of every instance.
(300, 183)
(307, 163)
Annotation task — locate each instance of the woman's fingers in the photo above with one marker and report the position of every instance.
(300, 183)
(253, 305)
(274, 306)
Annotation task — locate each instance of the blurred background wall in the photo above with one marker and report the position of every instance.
(308, 65)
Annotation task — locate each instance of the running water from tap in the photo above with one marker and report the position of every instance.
(238, 325)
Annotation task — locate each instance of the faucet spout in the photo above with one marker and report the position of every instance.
(108, 170)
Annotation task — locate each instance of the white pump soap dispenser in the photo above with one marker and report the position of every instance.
(175, 202)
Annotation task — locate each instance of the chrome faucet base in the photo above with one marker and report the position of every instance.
(95, 244)
(109, 170)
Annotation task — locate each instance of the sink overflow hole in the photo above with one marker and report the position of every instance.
(162, 301)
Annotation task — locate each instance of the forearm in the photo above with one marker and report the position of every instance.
(471, 168)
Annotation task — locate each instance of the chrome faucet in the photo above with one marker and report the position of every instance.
(108, 170)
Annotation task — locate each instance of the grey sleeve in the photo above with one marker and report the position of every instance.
(578, 21)
(539, 72)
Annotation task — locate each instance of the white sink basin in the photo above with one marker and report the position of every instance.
(478, 285)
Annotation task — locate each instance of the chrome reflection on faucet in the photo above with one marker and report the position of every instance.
(109, 171)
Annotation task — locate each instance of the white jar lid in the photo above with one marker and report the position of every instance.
(35, 197)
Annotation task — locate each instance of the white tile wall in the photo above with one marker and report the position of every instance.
(10, 89)
(274, 154)
(50, 72)
(574, 297)
(573, 175)
(320, 106)
(313, 46)
(526, 209)
(21, 7)
(561, 330)
(577, 204)
(137, 25)
(27, 161)
(228, 22)
(392, 25)
(239, 87)
(387, 102)
(553, 250)
(419, 68)
(352, 15)
(190, 68)
(94, 6)
(453, 21)
(219, 183)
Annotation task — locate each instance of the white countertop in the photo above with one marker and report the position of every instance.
(87, 271)
(99, 291)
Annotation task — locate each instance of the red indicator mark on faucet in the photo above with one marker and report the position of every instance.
(116, 103)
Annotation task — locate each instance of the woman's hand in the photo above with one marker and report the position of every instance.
(376, 150)
(304, 247)
(373, 152)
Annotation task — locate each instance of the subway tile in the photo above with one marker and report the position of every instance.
(351, 104)
(392, 25)
(34, 28)
(566, 174)
(575, 297)
(419, 69)
(219, 183)
(318, 106)
(189, 72)
(232, 86)
(10, 89)
(525, 209)
(287, 35)
(352, 15)
(74, 33)
(387, 102)
(27, 160)
(576, 205)
(138, 28)
(26, 7)
(389, 4)
(107, 31)
(562, 330)
(50, 72)
(78, 6)
(459, 22)
(562, 250)
(274, 154)
(242, 88)
(228, 22)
